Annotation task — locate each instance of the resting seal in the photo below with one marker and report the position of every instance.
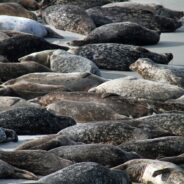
(7, 135)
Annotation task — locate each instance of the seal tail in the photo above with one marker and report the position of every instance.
(78, 42)
(51, 33)
(23, 174)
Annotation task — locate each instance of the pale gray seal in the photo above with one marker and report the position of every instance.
(132, 87)
(33, 120)
(69, 18)
(121, 32)
(7, 135)
(113, 56)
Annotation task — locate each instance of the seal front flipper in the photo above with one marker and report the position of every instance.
(51, 33)
(23, 174)
(161, 171)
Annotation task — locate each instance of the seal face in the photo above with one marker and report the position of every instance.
(113, 56)
(69, 18)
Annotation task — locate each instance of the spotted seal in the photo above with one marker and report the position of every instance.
(113, 56)
(121, 32)
(7, 135)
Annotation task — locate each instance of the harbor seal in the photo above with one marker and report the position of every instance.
(19, 46)
(132, 87)
(85, 172)
(8, 171)
(37, 161)
(107, 155)
(113, 56)
(121, 32)
(84, 111)
(33, 120)
(152, 71)
(69, 18)
(7, 135)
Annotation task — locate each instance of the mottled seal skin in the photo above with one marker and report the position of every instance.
(110, 133)
(7, 135)
(14, 48)
(13, 70)
(107, 155)
(47, 142)
(8, 171)
(156, 9)
(155, 148)
(33, 120)
(132, 87)
(70, 81)
(105, 15)
(152, 71)
(85, 172)
(122, 32)
(113, 56)
(84, 112)
(37, 161)
(152, 171)
(127, 107)
(69, 18)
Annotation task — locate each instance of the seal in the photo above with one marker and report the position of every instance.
(84, 112)
(105, 15)
(33, 120)
(132, 87)
(95, 153)
(110, 133)
(152, 71)
(69, 81)
(30, 4)
(157, 147)
(125, 32)
(38, 161)
(19, 46)
(13, 70)
(25, 25)
(86, 172)
(114, 56)
(75, 19)
(7, 171)
(7, 135)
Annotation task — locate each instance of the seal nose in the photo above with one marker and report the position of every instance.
(169, 56)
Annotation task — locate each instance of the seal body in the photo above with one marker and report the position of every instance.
(7, 135)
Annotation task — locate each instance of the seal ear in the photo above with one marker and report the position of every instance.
(161, 171)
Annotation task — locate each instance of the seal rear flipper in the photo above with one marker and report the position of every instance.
(23, 174)
(51, 33)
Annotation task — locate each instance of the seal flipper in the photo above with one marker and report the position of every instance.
(161, 171)
(23, 174)
(78, 42)
(51, 33)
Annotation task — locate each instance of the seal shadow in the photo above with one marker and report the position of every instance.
(170, 44)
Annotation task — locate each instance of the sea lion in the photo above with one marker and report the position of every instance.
(152, 71)
(25, 25)
(107, 155)
(7, 171)
(47, 142)
(37, 161)
(33, 120)
(157, 147)
(105, 15)
(152, 171)
(15, 9)
(83, 173)
(14, 48)
(156, 9)
(113, 56)
(132, 87)
(84, 111)
(13, 70)
(7, 135)
(110, 133)
(70, 81)
(121, 32)
(75, 19)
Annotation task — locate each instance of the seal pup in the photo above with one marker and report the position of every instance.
(75, 19)
(33, 120)
(157, 147)
(110, 133)
(38, 161)
(70, 81)
(114, 56)
(8, 171)
(85, 172)
(25, 25)
(7, 135)
(132, 87)
(16, 47)
(152, 71)
(107, 155)
(84, 111)
(121, 32)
